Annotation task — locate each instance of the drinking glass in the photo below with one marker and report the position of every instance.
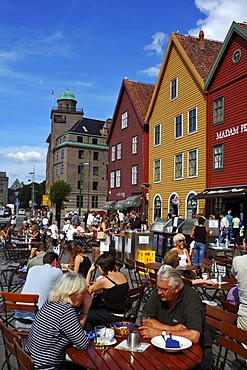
(100, 333)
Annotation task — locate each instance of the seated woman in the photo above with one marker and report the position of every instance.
(34, 233)
(184, 258)
(115, 289)
(80, 260)
(57, 324)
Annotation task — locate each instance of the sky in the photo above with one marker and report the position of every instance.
(89, 47)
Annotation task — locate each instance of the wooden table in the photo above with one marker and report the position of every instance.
(156, 266)
(152, 358)
(186, 268)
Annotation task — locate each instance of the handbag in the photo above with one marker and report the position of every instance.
(101, 235)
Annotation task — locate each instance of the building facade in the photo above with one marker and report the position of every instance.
(129, 149)
(226, 90)
(78, 153)
(177, 128)
(4, 182)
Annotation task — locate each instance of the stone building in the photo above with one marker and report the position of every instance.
(78, 153)
(4, 181)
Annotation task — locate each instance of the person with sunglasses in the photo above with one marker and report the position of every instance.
(177, 309)
(184, 257)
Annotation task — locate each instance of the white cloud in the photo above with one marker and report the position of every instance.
(156, 46)
(219, 15)
(31, 156)
(151, 71)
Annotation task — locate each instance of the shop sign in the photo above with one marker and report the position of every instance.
(231, 131)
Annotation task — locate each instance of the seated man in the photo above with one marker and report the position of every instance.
(40, 280)
(177, 309)
(36, 256)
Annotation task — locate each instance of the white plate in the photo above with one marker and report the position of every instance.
(160, 342)
(210, 303)
(110, 342)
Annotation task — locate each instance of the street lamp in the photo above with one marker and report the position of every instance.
(33, 189)
(80, 189)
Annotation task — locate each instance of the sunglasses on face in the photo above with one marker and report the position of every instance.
(182, 240)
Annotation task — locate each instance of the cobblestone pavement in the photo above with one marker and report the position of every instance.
(231, 362)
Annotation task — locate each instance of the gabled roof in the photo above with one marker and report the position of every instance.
(139, 94)
(199, 55)
(241, 29)
(87, 126)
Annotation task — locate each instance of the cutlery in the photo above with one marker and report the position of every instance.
(105, 350)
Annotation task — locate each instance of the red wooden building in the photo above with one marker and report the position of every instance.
(226, 92)
(128, 148)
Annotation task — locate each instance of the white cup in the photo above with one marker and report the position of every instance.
(109, 334)
(204, 276)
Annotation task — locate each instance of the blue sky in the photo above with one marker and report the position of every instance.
(88, 46)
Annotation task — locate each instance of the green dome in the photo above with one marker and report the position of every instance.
(67, 95)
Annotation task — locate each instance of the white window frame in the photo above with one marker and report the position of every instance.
(113, 153)
(118, 178)
(182, 165)
(196, 161)
(112, 179)
(218, 155)
(218, 106)
(119, 151)
(176, 88)
(195, 130)
(134, 144)
(175, 126)
(134, 174)
(124, 119)
(156, 173)
(157, 134)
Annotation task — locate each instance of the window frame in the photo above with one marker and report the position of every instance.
(95, 201)
(95, 170)
(95, 156)
(95, 185)
(216, 108)
(220, 168)
(195, 129)
(124, 122)
(157, 135)
(157, 170)
(112, 179)
(182, 165)
(172, 88)
(176, 124)
(119, 151)
(118, 178)
(113, 153)
(134, 174)
(196, 163)
(134, 144)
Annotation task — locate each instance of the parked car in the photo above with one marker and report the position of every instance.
(22, 211)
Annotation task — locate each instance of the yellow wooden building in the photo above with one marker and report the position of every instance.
(177, 127)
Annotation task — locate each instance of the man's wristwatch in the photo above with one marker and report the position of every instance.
(163, 332)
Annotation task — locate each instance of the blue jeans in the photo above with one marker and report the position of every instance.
(199, 253)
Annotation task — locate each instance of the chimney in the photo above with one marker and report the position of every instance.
(201, 39)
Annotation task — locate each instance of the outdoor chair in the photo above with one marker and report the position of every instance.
(130, 266)
(25, 362)
(8, 340)
(133, 303)
(227, 306)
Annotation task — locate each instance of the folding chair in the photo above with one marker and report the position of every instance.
(8, 341)
(133, 303)
(22, 302)
(224, 264)
(25, 362)
(130, 266)
(235, 336)
(227, 306)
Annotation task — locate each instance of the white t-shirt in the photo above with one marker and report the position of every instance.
(70, 234)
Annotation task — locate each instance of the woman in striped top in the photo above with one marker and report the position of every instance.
(57, 325)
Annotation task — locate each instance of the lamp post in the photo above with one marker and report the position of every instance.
(88, 187)
(33, 189)
(80, 189)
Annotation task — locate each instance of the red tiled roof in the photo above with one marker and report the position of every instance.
(244, 25)
(202, 58)
(141, 94)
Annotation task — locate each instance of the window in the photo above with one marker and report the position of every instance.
(95, 185)
(218, 110)
(134, 145)
(178, 126)
(157, 135)
(192, 116)
(179, 166)
(64, 138)
(94, 141)
(112, 180)
(56, 170)
(113, 153)
(218, 157)
(192, 163)
(81, 154)
(119, 151)
(118, 178)
(79, 139)
(134, 175)
(61, 168)
(95, 201)
(124, 120)
(95, 156)
(174, 88)
(78, 201)
(96, 171)
(62, 153)
(79, 183)
(57, 155)
(80, 169)
(157, 170)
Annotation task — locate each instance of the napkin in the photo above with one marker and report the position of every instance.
(124, 346)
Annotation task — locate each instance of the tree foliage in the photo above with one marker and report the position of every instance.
(59, 191)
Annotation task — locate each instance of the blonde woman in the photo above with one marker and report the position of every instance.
(58, 325)
(178, 242)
